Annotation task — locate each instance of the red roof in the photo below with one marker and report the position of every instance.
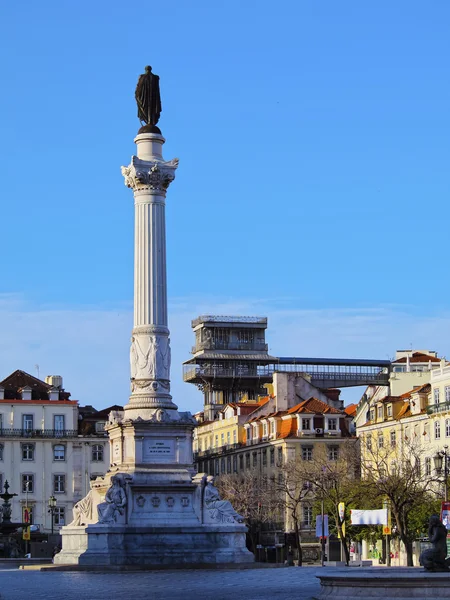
(314, 406)
(350, 410)
(418, 357)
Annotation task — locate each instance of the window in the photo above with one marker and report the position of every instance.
(437, 430)
(280, 478)
(389, 410)
(1, 421)
(436, 395)
(1, 452)
(27, 451)
(27, 483)
(59, 452)
(247, 460)
(255, 459)
(428, 466)
(272, 457)
(216, 466)
(100, 426)
(372, 414)
(393, 440)
(234, 437)
(59, 517)
(59, 484)
(264, 429)
(272, 427)
(306, 424)
(249, 434)
(1, 482)
(241, 462)
(58, 424)
(333, 452)
(369, 442)
(228, 438)
(27, 422)
(447, 393)
(307, 452)
(234, 464)
(447, 427)
(222, 439)
(307, 515)
(97, 453)
(280, 455)
(332, 424)
(264, 457)
(380, 412)
(380, 440)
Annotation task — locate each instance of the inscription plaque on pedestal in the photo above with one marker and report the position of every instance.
(159, 450)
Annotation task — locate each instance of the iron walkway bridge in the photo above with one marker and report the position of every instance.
(333, 372)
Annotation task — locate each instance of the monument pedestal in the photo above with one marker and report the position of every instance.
(151, 508)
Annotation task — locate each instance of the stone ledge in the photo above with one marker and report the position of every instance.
(172, 567)
(388, 583)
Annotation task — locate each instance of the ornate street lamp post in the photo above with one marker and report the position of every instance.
(52, 508)
(442, 458)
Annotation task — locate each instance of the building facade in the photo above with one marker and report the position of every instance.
(260, 438)
(47, 448)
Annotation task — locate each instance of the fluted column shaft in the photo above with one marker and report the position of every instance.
(149, 176)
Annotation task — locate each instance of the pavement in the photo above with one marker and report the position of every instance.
(291, 583)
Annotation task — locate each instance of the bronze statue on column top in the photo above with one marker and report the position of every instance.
(148, 100)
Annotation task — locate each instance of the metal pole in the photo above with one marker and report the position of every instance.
(28, 514)
(323, 533)
(51, 516)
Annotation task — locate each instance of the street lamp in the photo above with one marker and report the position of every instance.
(52, 508)
(442, 458)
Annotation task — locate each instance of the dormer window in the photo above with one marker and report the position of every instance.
(306, 424)
(436, 395)
(380, 413)
(264, 428)
(389, 410)
(332, 424)
(26, 393)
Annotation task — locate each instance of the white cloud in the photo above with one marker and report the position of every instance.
(89, 346)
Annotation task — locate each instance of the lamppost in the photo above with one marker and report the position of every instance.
(442, 458)
(52, 508)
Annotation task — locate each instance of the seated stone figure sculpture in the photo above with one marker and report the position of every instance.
(434, 559)
(219, 510)
(114, 504)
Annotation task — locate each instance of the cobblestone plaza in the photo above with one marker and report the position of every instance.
(251, 584)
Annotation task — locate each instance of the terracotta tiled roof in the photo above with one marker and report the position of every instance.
(351, 410)
(40, 402)
(288, 428)
(418, 357)
(404, 411)
(315, 406)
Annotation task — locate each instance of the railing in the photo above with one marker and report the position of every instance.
(194, 371)
(218, 451)
(438, 408)
(437, 372)
(227, 319)
(217, 345)
(39, 433)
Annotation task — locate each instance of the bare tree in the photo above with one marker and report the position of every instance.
(328, 477)
(395, 472)
(253, 498)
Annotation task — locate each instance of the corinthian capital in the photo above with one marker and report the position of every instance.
(152, 176)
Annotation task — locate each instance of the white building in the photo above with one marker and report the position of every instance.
(48, 447)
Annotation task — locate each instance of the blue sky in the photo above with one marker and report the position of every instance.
(313, 185)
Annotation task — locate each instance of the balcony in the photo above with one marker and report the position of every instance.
(438, 408)
(224, 345)
(192, 372)
(38, 433)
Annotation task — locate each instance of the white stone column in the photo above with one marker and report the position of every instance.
(149, 176)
